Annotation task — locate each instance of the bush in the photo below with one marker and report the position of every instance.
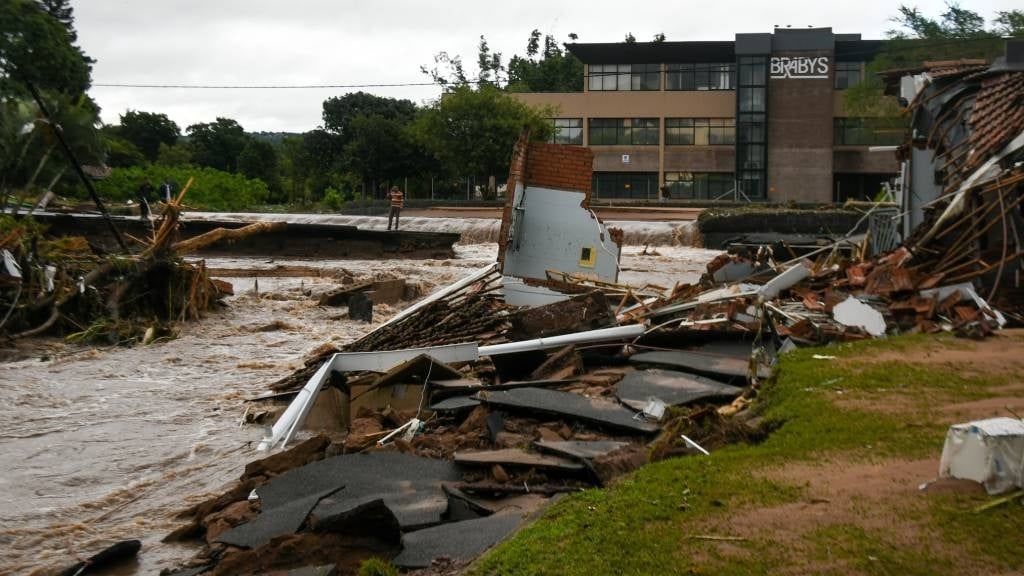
(377, 567)
(211, 190)
(333, 199)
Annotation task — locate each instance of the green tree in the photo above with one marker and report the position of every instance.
(120, 152)
(35, 47)
(383, 150)
(147, 131)
(322, 157)
(217, 144)
(259, 160)
(179, 154)
(630, 39)
(340, 111)
(956, 33)
(553, 70)
(472, 132)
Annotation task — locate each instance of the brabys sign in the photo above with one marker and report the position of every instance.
(799, 67)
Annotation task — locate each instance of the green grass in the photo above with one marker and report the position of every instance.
(642, 524)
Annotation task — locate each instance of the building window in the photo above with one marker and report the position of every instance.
(646, 77)
(624, 131)
(610, 77)
(847, 74)
(700, 131)
(633, 185)
(567, 131)
(625, 77)
(751, 127)
(700, 76)
(698, 185)
(869, 131)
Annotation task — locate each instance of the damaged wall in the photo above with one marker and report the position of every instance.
(547, 223)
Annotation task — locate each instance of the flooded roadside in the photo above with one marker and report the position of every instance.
(103, 445)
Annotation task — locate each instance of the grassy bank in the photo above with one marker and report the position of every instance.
(833, 490)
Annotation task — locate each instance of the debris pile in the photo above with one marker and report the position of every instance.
(542, 374)
(67, 286)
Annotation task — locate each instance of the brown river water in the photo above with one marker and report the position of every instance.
(105, 444)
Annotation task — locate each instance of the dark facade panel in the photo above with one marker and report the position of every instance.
(857, 50)
(654, 52)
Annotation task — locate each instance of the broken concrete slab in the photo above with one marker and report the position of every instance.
(671, 387)
(601, 412)
(410, 486)
(582, 450)
(516, 457)
(701, 362)
(285, 518)
(456, 540)
(853, 312)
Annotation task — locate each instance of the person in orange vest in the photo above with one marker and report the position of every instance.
(397, 202)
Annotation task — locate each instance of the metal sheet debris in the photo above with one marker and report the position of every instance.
(515, 457)
(673, 388)
(990, 452)
(459, 541)
(853, 312)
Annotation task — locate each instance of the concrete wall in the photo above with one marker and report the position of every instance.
(858, 160)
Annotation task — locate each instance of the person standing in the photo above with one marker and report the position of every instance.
(397, 202)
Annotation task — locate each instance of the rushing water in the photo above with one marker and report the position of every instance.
(473, 230)
(101, 445)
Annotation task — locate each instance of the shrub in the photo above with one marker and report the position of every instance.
(211, 190)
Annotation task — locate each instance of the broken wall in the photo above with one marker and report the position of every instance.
(547, 223)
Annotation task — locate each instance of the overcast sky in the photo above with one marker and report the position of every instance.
(385, 41)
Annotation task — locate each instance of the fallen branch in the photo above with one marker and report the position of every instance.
(218, 234)
(714, 538)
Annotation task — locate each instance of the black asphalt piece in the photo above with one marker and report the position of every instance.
(579, 449)
(516, 457)
(495, 424)
(272, 522)
(671, 387)
(410, 486)
(455, 404)
(460, 541)
(568, 404)
(702, 362)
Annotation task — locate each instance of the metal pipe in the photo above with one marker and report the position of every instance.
(601, 335)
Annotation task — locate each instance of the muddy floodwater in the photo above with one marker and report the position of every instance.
(105, 444)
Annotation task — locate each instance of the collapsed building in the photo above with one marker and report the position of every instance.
(443, 429)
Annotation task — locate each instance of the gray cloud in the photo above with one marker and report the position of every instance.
(356, 42)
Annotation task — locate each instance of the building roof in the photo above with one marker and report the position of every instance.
(654, 52)
(700, 51)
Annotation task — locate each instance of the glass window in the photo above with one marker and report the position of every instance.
(637, 185)
(567, 131)
(847, 74)
(752, 100)
(610, 77)
(718, 76)
(624, 131)
(700, 131)
(698, 185)
(646, 77)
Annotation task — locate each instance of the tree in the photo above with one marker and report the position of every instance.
(339, 112)
(147, 130)
(259, 160)
(489, 64)
(630, 39)
(472, 132)
(36, 48)
(120, 152)
(556, 70)
(217, 144)
(957, 33)
(384, 150)
(659, 37)
(179, 154)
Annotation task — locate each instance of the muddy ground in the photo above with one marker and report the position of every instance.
(104, 444)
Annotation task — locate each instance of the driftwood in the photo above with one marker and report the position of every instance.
(216, 235)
